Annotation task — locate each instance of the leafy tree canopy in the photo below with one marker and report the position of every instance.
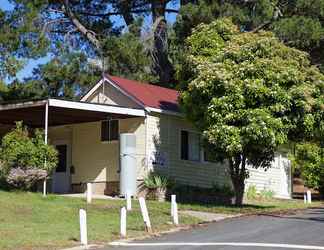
(309, 158)
(249, 93)
(298, 23)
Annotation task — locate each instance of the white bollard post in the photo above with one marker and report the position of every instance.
(128, 201)
(175, 214)
(44, 188)
(309, 196)
(89, 192)
(173, 201)
(305, 198)
(145, 215)
(123, 222)
(83, 227)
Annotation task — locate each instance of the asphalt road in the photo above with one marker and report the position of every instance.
(301, 231)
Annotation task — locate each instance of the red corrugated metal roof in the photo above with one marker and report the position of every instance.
(148, 94)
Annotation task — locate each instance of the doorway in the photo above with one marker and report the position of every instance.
(61, 175)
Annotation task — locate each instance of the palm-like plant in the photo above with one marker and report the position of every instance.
(157, 184)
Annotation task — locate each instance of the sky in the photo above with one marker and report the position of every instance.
(31, 63)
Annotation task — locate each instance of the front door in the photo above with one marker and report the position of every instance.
(61, 178)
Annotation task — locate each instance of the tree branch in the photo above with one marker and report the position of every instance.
(47, 24)
(89, 34)
(117, 13)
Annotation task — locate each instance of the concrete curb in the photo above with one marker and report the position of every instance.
(92, 246)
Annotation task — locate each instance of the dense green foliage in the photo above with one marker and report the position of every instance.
(21, 150)
(309, 159)
(248, 94)
(298, 23)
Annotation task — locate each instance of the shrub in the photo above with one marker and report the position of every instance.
(224, 190)
(267, 194)
(156, 186)
(309, 160)
(22, 156)
(251, 193)
(153, 181)
(25, 178)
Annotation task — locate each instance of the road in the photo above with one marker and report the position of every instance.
(301, 231)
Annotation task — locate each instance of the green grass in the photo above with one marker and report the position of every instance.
(29, 221)
(254, 207)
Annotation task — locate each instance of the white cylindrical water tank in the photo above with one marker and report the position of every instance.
(128, 171)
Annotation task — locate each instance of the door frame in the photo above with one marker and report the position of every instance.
(68, 161)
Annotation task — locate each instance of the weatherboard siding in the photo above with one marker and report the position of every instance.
(111, 96)
(163, 133)
(164, 136)
(276, 179)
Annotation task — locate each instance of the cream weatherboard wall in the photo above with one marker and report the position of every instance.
(107, 94)
(95, 161)
(163, 132)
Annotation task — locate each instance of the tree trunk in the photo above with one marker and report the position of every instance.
(239, 187)
(238, 174)
(160, 52)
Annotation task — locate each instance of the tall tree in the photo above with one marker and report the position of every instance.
(249, 94)
(298, 23)
(88, 25)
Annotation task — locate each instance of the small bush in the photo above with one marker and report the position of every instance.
(153, 181)
(225, 190)
(156, 186)
(251, 193)
(25, 179)
(193, 194)
(266, 194)
(23, 155)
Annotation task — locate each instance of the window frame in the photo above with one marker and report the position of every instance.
(201, 151)
(180, 145)
(109, 135)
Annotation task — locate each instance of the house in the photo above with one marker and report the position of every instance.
(86, 134)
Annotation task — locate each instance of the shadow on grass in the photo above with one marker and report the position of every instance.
(227, 207)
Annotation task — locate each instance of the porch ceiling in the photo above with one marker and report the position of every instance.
(62, 112)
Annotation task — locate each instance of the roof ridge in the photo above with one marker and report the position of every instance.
(142, 82)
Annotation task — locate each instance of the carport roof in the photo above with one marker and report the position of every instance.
(62, 112)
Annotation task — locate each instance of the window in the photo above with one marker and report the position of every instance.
(109, 130)
(190, 146)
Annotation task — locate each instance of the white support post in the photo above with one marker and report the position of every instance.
(45, 141)
(173, 201)
(128, 201)
(44, 188)
(145, 215)
(309, 196)
(175, 214)
(305, 198)
(83, 227)
(123, 214)
(89, 193)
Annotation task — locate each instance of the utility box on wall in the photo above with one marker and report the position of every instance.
(128, 171)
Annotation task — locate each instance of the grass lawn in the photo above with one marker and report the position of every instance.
(29, 221)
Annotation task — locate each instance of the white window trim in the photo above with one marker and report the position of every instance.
(110, 141)
(200, 154)
(202, 150)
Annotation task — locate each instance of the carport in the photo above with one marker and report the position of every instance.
(54, 112)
